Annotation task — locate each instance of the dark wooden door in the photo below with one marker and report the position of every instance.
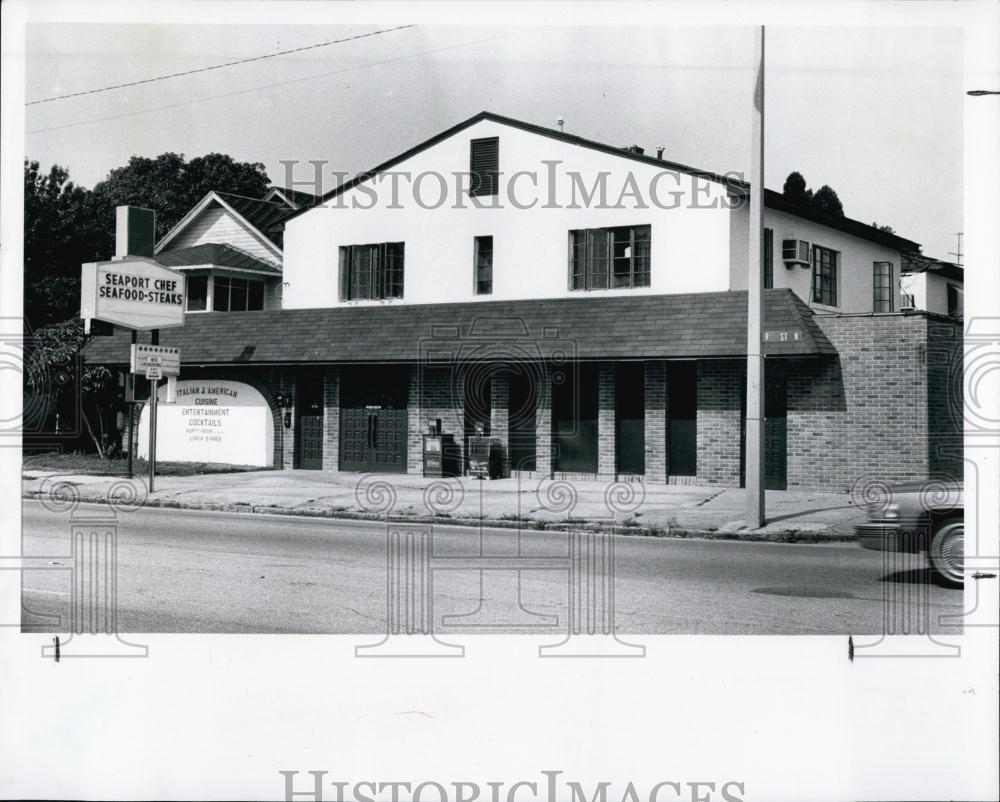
(630, 417)
(311, 442)
(373, 420)
(309, 403)
(775, 434)
(574, 419)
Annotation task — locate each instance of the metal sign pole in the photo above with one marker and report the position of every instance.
(131, 411)
(152, 432)
(155, 338)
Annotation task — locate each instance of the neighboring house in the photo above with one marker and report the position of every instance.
(933, 285)
(584, 305)
(227, 247)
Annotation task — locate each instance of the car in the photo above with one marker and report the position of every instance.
(920, 517)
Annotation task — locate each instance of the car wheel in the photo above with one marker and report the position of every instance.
(947, 552)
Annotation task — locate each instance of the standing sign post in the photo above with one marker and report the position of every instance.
(140, 294)
(157, 362)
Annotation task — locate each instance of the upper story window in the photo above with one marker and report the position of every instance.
(825, 264)
(768, 258)
(483, 262)
(955, 301)
(882, 287)
(603, 258)
(484, 165)
(197, 293)
(371, 272)
(237, 294)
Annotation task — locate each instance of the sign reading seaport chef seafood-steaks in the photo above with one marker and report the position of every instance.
(135, 292)
(212, 421)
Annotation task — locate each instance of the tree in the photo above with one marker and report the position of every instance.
(795, 188)
(60, 233)
(826, 200)
(51, 356)
(170, 186)
(66, 225)
(886, 229)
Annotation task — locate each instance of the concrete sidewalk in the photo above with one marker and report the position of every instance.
(654, 510)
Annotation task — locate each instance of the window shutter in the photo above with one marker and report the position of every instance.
(484, 164)
(345, 261)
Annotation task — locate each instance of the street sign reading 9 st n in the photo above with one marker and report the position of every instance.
(135, 292)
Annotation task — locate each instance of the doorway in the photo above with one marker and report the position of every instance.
(309, 410)
(373, 419)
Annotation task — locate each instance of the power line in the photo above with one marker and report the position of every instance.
(217, 66)
(279, 83)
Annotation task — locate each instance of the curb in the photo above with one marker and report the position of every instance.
(751, 536)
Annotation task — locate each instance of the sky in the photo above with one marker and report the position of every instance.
(875, 112)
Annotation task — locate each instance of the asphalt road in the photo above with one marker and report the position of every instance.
(202, 572)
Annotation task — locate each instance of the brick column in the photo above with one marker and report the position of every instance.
(500, 417)
(720, 385)
(655, 423)
(288, 385)
(331, 419)
(607, 462)
(415, 423)
(543, 422)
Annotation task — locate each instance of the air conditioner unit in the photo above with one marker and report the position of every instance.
(795, 252)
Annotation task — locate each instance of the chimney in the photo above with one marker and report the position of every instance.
(659, 151)
(135, 231)
(634, 149)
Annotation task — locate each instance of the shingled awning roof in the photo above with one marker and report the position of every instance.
(705, 325)
(217, 254)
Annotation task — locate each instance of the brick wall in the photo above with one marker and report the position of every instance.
(500, 417)
(607, 463)
(331, 419)
(866, 413)
(434, 392)
(720, 388)
(656, 423)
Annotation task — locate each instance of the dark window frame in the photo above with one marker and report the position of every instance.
(484, 166)
(882, 295)
(482, 265)
(187, 301)
(596, 258)
(372, 271)
(826, 275)
(235, 288)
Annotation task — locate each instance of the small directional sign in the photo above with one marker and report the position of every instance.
(783, 336)
(166, 358)
(154, 372)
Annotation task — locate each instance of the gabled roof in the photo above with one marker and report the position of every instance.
(294, 198)
(254, 213)
(705, 325)
(218, 255)
(736, 186)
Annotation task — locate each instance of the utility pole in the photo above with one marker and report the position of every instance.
(754, 457)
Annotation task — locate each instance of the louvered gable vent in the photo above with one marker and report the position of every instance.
(484, 165)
